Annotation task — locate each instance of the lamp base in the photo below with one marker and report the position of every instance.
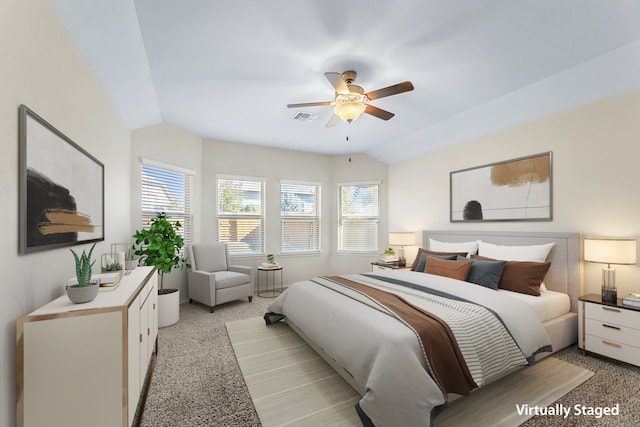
(610, 295)
(402, 261)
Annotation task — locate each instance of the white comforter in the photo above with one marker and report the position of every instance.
(382, 355)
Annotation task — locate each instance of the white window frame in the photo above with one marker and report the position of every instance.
(180, 210)
(368, 220)
(241, 247)
(312, 216)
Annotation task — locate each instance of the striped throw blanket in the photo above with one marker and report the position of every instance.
(458, 338)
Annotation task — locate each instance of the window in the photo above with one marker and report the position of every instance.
(240, 214)
(167, 189)
(299, 217)
(358, 218)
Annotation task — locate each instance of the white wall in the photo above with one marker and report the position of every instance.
(175, 147)
(596, 149)
(272, 164)
(170, 145)
(41, 67)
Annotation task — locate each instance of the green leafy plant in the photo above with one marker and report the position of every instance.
(83, 266)
(160, 246)
(389, 251)
(114, 266)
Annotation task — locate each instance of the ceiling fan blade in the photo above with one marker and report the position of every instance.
(378, 112)
(332, 121)
(337, 82)
(390, 90)
(310, 104)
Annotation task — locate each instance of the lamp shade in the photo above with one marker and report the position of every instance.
(349, 111)
(402, 238)
(610, 250)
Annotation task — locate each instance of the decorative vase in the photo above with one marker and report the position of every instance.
(82, 294)
(130, 264)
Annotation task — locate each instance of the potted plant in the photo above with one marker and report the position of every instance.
(130, 259)
(389, 254)
(86, 289)
(160, 246)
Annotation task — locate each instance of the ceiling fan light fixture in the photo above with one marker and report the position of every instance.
(349, 111)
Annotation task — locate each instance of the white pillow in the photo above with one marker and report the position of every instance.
(471, 248)
(535, 253)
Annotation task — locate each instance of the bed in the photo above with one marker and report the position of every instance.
(393, 365)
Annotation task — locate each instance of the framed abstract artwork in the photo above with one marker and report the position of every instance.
(513, 190)
(61, 188)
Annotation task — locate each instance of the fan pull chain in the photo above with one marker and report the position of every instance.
(349, 148)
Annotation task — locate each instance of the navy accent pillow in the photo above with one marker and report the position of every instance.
(422, 263)
(485, 273)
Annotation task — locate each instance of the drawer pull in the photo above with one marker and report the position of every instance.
(611, 309)
(612, 344)
(611, 327)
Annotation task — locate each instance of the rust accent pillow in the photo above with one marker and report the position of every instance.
(524, 277)
(454, 269)
(427, 252)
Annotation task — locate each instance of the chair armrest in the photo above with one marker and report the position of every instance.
(201, 286)
(246, 270)
(241, 269)
(201, 278)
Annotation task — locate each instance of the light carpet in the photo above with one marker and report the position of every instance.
(291, 385)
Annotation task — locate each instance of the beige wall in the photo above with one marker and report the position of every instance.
(596, 149)
(208, 158)
(273, 165)
(41, 67)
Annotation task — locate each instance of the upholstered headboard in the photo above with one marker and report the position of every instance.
(564, 275)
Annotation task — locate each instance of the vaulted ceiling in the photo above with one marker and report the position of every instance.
(226, 69)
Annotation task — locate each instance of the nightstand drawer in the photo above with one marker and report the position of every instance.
(613, 349)
(612, 315)
(613, 332)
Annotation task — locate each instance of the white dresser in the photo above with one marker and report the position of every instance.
(612, 330)
(86, 364)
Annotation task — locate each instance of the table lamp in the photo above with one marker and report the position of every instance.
(609, 251)
(402, 239)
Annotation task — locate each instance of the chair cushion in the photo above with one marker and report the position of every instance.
(210, 257)
(229, 279)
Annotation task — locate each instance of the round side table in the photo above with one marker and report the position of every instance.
(270, 271)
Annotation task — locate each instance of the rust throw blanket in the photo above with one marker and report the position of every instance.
(437, 340)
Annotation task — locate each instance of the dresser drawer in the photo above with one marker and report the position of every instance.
(611, 331)
(613, 349)
(612, 315)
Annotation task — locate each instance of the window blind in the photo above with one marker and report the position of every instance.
(240, 214)
(359, 218)
(169, 191)
(299, 217)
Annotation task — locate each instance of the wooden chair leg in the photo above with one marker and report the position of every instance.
(251, 298)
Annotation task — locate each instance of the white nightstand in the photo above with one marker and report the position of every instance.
(612, 330)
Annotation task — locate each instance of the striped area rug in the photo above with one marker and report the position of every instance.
(291, 385)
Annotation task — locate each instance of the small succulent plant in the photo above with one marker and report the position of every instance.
(83, 266)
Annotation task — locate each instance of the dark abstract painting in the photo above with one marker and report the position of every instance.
(61, 188)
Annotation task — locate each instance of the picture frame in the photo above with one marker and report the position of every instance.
(519, 189)
(61, 188)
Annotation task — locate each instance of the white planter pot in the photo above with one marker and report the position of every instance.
(168, 308)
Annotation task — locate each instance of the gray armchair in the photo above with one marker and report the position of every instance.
(212, 281)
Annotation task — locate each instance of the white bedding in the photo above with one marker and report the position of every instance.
(380, 354)
(549, 305)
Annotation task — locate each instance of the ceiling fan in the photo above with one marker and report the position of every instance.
(351, 101)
